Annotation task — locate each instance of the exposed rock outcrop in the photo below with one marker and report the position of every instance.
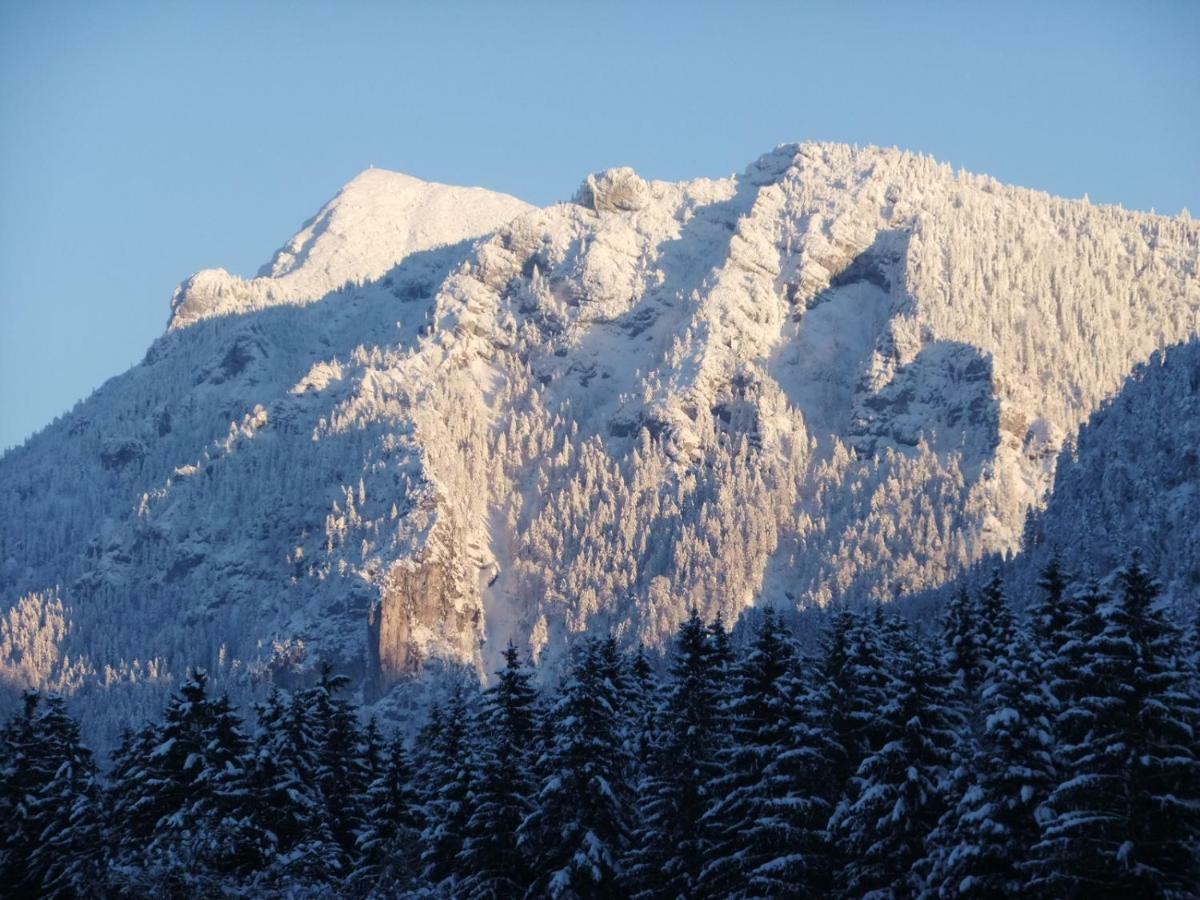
(614, 190)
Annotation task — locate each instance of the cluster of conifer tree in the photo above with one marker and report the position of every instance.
(1048, 754)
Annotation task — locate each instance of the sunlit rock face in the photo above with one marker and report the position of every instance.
(440, 419)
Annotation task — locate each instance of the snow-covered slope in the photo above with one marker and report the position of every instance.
(1130, 480)
(842, 373)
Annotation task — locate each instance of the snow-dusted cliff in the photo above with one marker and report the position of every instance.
(842, 373)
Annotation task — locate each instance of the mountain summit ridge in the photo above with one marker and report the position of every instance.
(843, 374)
(377, 219)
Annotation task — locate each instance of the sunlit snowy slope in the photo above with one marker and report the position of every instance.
(441, 418)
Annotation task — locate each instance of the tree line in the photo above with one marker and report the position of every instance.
(1051, 753)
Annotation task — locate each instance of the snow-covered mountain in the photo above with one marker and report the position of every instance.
(441, 418)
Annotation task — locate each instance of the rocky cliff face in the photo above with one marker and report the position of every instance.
(440, 418)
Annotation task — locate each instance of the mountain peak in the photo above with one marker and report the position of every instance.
(376, 220)
(373, 176)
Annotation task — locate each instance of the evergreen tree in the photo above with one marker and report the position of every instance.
(234, 838)
(1124, 818)
(991, 829)
(1191, 646)
(962, 660)
(429, 737)
(642, 699)
(899, 792)
(836, 696)
(174, 785)
(287, 797)
(446, 802)
(23, 772)
(815, 760)
(723, 657)
(672, 841)
(374, 753)
(769, 814)
(70, 854)
(1165, 753)
(53, 831)
(342, 774)
(1050, 614)
(961, 642)
(579, 828)
(995, 625)
(868, 684)
(389, 843)
(1068, 663)
(502, 785)
(127, 800)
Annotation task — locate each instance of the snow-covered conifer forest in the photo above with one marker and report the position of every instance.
(843, 385)
(996, 754)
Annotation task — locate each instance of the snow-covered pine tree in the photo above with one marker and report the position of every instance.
(962, 654)
(1068, 660)
(814, 761)
(995, 622)
(723, 657)
(286, 795)
(642, 702)
(899, 792)
(1125, 815)
(235, 840)
(869, 682)
(23, 772)
(618, 667)
(768, 817)
(962, 659)
(673, 841)
(125, 796)
(835, 695)
(374, 753)
(980, 842)
(342, 774)
(53, 838)
(429, 737)
(71, 854)
(170, 791)
(1165, 855)
(389, 852)
(1062, 863)
(1049, 614)
(759, 712)
(491, 863)
(578, 831)
(446, 794)
(1191, 647)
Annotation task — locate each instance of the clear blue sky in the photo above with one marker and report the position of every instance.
(141, 142)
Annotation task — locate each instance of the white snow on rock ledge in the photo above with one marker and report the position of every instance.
(373, 223)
